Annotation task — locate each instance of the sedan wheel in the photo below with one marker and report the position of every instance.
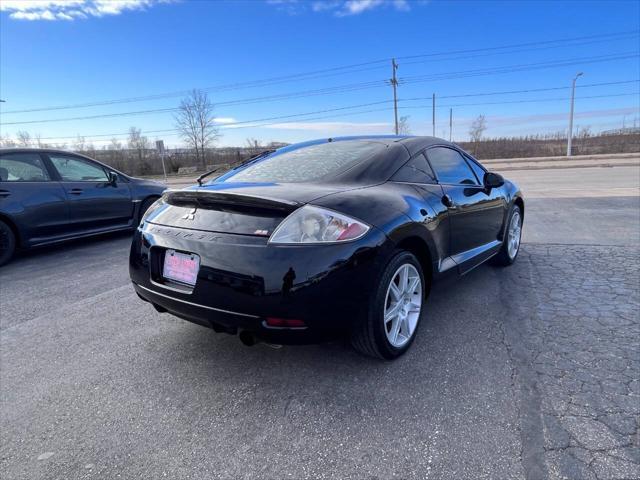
(402, 305)
(7, 243)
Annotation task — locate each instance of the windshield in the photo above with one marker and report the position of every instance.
(306, 164)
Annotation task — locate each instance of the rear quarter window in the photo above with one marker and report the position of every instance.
(22, 167)
(416, 170)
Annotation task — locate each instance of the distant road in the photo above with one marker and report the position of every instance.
(563, 162)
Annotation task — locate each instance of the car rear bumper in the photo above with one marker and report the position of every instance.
(242, 281)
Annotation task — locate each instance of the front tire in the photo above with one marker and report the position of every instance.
(512, 236)
(395, 309)
(7, 243)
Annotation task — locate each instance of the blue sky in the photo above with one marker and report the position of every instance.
(54, 53)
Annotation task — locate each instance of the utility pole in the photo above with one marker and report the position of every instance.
(450, 122)
(573, 95)
(433, 113)
(394, 84)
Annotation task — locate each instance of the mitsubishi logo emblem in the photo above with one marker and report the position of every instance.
(191, 215)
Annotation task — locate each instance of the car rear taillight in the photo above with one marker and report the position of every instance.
(285, 322)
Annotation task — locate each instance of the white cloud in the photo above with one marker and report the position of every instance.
(344, 8)
(224, 120)
(69, 10)
(342, 127)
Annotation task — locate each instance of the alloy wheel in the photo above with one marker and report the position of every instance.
(513, 235)
(403, 305)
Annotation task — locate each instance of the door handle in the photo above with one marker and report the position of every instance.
(4, 193)
(448, 202)
(75, 191)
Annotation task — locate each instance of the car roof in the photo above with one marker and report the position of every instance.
(411, 142)
(38, 150)
(376, 167)
(64, 152)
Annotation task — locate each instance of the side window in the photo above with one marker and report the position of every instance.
(477, 169)
(450, 166)
(416, 170)
(22, 167)
(72, 169)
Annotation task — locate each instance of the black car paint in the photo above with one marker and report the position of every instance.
(45, 212)
(243, 279)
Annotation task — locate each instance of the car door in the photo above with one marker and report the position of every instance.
(95, 203)
(475, 212)
(31, 198)
(418, 173)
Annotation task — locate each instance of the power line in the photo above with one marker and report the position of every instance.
(415, 79)
(339, 70)
(627, 36)
(517, 68)
(257, 122)
(536, 100)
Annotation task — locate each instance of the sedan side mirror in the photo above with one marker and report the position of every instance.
(493, 180)
(113, 178)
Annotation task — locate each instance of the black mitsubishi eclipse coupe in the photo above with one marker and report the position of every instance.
(329, 237)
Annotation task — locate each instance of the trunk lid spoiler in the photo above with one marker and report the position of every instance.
(214, 199)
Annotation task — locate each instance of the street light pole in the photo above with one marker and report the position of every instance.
(573, 95)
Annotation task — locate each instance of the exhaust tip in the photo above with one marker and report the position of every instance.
(159, 309)
(247, 338)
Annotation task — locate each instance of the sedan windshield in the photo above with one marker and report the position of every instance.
(306, 164)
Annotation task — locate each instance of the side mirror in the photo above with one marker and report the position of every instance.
(493, 180)
(113, 178)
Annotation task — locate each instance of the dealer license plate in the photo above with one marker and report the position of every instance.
(181, 267)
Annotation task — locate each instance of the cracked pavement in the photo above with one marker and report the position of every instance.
(584, 344)
(529, 372)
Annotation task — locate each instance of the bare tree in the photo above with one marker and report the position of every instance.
(584, 132)
(80, 144)
(24, 139)
(7, 142)
(115, 152)
(115, 145)
(138, 143)
(90, 149)
(194, 120)
(253, 145)
(403, 126)
(38, 138)
(477, 128)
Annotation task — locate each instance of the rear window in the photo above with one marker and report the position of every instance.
(307, 164)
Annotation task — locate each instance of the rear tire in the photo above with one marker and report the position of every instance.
(512, 235)
(144, 206)
(7, 243)
(391, 323)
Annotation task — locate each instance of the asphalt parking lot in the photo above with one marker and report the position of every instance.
(528, 372)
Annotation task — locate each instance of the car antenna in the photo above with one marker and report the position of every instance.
(254, 157)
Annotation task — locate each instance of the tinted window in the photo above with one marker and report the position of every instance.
(72, 169)
(450, 166)
(477, 169)
(416, 170)
(22, 167)
(308, 163)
